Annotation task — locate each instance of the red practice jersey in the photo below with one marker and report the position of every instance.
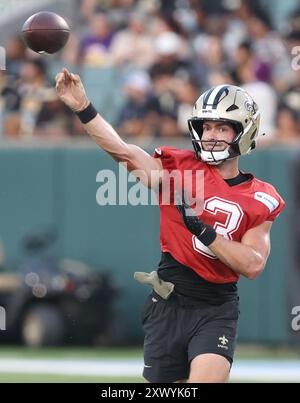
(230, 210)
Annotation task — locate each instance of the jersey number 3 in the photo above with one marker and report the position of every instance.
(234, 215)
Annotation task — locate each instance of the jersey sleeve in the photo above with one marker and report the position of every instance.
(167, 156)
(272, 200)
(275, 213)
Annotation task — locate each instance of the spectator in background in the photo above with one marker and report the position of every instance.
(15, 55)
(288, 127)
(219, 77)
(171, 55)
(95, 47)
(245, 57)
(171, 64)
(24, 98)
(164, 86)
(294, 20)
(10, 100)
(187, 92)
(33, 90)
(69, 55)
(54, 121)
(291, 98)
(269, 47)
(133, 45)
(9, 107)
(280, 11)
(210, 56)
(90, 7)
(209, 15)
(139, 117)
(9, 86)
(160, 25)
(212, 7)
(171, 41)
(168, 127)
(264, 95)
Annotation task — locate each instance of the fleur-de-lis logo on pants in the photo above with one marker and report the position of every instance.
(223, 340)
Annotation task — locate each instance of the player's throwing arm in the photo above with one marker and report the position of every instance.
(70, 90)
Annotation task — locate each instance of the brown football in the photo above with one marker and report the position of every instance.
(45, 32)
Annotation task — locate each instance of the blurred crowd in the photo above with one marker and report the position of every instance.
(163, 54)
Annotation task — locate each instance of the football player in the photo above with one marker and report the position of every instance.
(190, 318)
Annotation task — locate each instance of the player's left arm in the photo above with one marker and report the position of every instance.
(249, 256)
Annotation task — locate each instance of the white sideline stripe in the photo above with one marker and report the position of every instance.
(78, 367)
(280, 371)
(243, 370)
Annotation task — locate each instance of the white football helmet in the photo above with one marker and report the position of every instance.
(230, 104)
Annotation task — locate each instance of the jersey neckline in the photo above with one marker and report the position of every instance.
(244, 185)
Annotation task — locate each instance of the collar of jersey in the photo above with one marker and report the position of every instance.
(245, 185)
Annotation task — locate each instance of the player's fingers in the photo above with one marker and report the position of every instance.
(67, 75)
(66, 72)
(58, 84)
(60, 81)
(75, 78)
(59, 78)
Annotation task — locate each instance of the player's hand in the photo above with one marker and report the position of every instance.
(192, 222)
(71, 91)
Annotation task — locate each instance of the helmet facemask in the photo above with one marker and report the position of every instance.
(214, 157)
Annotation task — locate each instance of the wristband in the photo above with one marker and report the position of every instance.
(208, 235)
(87, 114)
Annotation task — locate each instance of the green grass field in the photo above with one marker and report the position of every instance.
(95, 355)
(45, 378)
(68, 354)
